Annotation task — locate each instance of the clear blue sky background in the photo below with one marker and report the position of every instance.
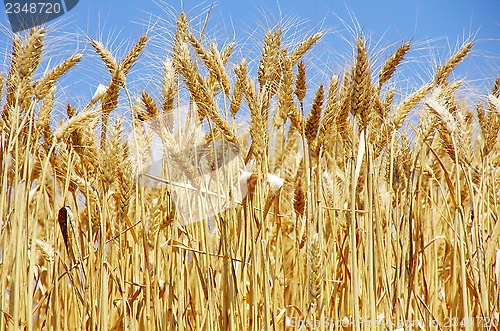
(435, 26)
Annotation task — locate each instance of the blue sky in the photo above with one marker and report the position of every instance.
(436, 27)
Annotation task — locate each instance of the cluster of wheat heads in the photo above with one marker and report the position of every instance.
(344, 218)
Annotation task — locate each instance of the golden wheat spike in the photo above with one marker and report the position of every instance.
(133, 55)
(327, 126)
(169, 90)
(489, 123)
(299, 198)
(30, 53)
(258, 123)
(398, 115)
(46, 83)
(403, 211)
(13, 79)
(269, 57)
(304, 46)
(239, 87)
(150, 106)
(360, 94)
(301, 82)
(105, 55)
(226, 53)
(313, 119)
(204, 54)
(392, 63)
(315, 268)
(221, 73)
(110, 101)
(444, 71)
(83, 119)
(42, 123)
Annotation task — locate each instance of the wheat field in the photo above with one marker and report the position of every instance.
(335, 213)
